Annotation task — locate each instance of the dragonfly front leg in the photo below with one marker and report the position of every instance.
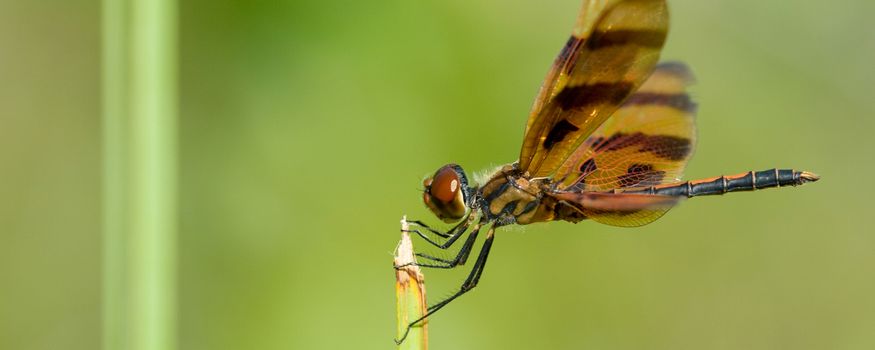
(460, 258)
(452, 235)
(439, 233)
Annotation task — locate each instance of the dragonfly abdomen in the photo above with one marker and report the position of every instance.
(748, 181)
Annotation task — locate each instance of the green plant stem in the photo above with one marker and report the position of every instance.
(139, 150)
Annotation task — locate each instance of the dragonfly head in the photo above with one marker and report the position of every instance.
(447, 193)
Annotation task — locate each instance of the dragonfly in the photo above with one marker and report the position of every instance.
(607, 139)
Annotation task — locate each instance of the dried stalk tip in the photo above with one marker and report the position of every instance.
(410, 293)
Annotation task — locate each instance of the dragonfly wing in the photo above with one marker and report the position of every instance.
(613, 49)
(647, 142)
(618, 209)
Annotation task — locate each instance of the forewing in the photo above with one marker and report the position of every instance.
(619, 209)
(647, 142)
(560, 70)
(612, 50)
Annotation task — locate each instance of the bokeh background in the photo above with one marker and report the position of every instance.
(307, 127)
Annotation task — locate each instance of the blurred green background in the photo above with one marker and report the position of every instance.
(307, 126)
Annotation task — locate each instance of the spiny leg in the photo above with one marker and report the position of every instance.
(461, 226)
(439, 233)
(453, 234)
(460, 258)
(474, 276)
(470, 283)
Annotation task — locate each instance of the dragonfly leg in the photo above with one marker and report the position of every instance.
(470, 283)
(452, 235)
(460, 258)
(424, 236)
(437, 232)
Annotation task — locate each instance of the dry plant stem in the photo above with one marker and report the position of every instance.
(410, 293)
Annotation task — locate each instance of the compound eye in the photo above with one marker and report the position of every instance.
(445, 185)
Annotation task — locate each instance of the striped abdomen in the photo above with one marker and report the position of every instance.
(748, 181)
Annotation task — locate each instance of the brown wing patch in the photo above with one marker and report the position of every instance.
(614, 48)
(648, 141)
(643, 38)
(559, 132)
(662, 146)
(587, 97)
(641, 175)
(679, 101)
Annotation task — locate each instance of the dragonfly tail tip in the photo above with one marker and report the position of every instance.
(808, 176)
